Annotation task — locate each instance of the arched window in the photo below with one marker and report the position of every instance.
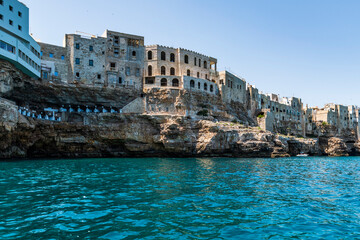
(195, 61)
(192, 83)
(199, 85)
(149, 55)
(198, 75)
(163, 56)
(172, 71)
(149, 70)
(175, 82)
(199, 62)
(163, 82)
(163, 70)
(211, 88)
(172, 57)
(205, 64)
(134, 53)
(205, 86)
(186, 59)
(206, 76)
(188, 72)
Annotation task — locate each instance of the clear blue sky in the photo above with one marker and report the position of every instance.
(308, 48)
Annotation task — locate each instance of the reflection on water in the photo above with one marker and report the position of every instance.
(180, 199)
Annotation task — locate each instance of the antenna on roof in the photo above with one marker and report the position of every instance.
(86, 34)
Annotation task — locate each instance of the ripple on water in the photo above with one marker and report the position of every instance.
(309, 198)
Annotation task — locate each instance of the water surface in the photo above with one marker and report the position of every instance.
(292, 198)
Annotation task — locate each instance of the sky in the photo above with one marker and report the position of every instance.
(308, 49)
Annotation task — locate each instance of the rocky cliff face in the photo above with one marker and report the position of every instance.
(136, 136)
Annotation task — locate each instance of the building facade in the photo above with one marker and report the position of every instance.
(16, 45)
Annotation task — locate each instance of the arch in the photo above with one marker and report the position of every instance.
(149, 55)
(211, 88)
(163, 56)
(149, 70)
(172, 57)
(192, 83)
(175, 82)
(199, 85)
(195, 60)
(205, 86)
(206, 77)
(205, 64)
(198, 75)
(163, 82)
(133, 53)
(188, 72)
(186, 59)
(163, 70)
(172, 71)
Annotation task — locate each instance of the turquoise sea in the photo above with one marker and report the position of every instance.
(160, 198)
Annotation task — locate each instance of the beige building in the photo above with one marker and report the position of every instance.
(178, 68)
(232, 87)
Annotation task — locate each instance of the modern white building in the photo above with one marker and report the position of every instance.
(16, 45)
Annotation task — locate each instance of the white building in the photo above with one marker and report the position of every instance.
(16, 45)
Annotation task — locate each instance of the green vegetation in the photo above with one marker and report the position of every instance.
(324, 123)
(261, 115)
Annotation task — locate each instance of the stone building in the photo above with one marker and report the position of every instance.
(232, 87)
(16, 45)
(54, 63)
(112, 60)
(178, 68)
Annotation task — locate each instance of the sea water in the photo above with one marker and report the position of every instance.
(162, 198)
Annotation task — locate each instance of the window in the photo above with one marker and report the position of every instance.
(116, 52)
(77, 45)
(133, 53)
(91, 63)
(116, 40)
(205, 64)
(188, 72)
(1, 17)
(11, 22)
(127, 71)
(163, 56)
(20, 14)
(172, 57)
(163, 82)
(206, 77)
(11, 8)
(120, 80)
(113, 65)
(192, 83)
(62, 57)
(163, 70)
(198, 75)
(186, 59)
(137, 72)
(77, 74)
(175, 82)
(172, 71)
(199, 62)
(99, 76)
(56, 74)
(91, 48)
(149, 70)
(45, 75)
(199, 85)
(149, 55)
(205, 86)
(211, 88)
(41, 53)
(77, 61)
(195, 61)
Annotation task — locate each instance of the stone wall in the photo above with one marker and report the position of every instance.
(232, 88)
(8, 113)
